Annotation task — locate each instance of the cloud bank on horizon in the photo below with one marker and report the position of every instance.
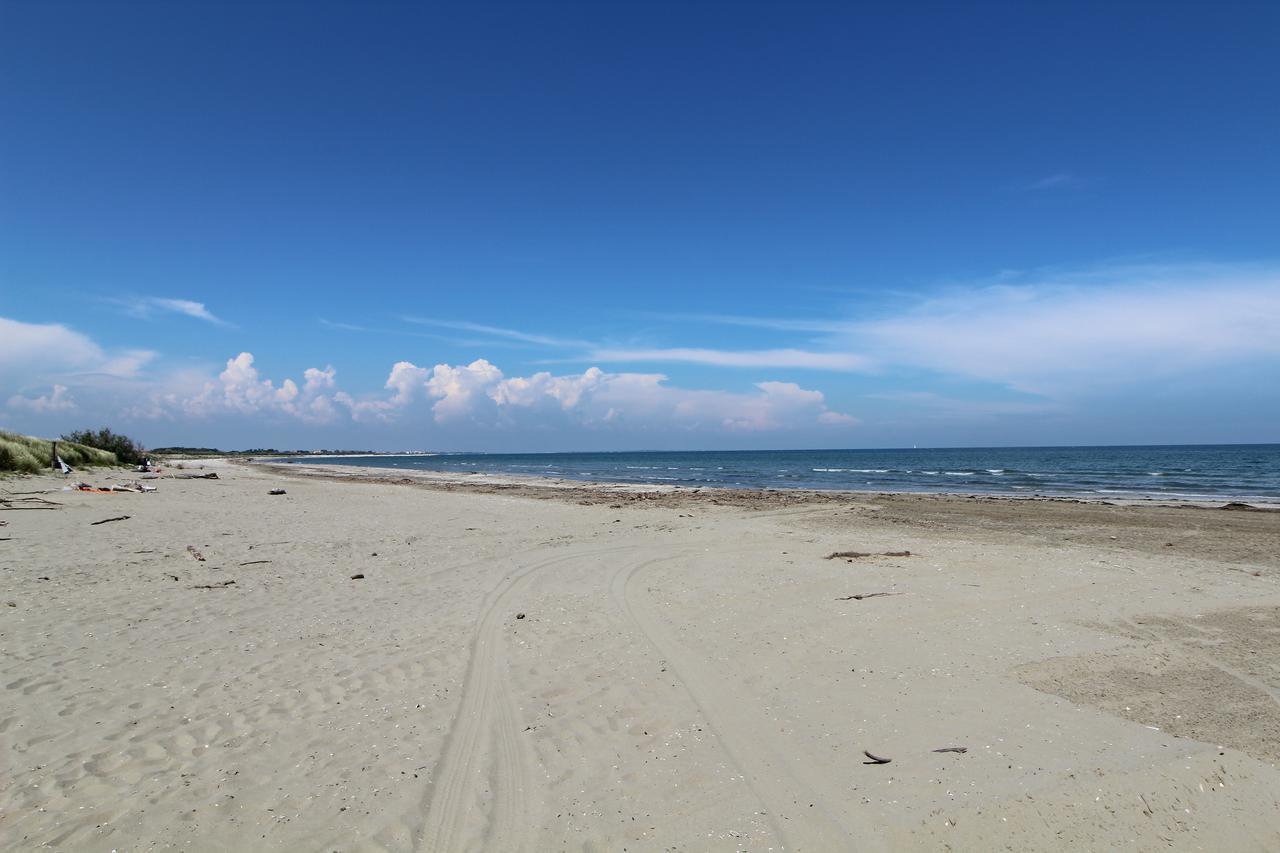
(1042, 346)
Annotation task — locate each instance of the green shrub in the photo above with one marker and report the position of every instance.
(125, 449)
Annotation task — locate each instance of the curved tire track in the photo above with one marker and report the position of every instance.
(486, 729)
(784, 784)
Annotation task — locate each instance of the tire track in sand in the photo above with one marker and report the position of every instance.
(784, 784)
(486, 729)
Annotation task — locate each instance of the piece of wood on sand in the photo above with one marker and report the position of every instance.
(28, 503)
(853, 555)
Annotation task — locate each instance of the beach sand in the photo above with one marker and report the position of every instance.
(591, 669)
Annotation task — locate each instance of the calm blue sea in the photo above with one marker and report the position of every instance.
(1244, 472)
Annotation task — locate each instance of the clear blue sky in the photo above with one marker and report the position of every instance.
(559, 226)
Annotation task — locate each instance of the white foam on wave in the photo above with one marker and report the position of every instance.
(959, 473)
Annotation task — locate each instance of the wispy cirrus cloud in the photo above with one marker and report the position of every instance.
(782, 324)
(589, 351)
(478, 341)
(1047, 332)
(151, 306)
(1067, 333)
(1058, 332)
(1056, 181)
(1051, 332)
(767, 358)
(499, 332)
(343, 327)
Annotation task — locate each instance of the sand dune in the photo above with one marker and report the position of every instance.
(578, 669)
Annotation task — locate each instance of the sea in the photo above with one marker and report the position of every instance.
(1243, 472)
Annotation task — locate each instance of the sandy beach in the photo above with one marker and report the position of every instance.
(373, 662)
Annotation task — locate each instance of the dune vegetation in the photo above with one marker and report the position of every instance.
(126, 450)
(28, 455)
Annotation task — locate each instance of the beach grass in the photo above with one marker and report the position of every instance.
(26, 454)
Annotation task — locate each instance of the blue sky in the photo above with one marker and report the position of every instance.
(564, 226)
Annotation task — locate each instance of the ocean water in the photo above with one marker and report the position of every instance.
(1189, 472)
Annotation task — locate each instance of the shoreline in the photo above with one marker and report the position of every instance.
(482, 481)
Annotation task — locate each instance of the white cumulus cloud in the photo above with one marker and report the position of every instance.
(457, 389)
(479, 393)
(240, 389)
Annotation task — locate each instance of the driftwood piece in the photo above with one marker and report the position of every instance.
(855, 554)
(960, 749)
(255, 562)
(191, 549)
(875, 759)
(218, 585)
(863, 595)
(28, 503)
(105, 520)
